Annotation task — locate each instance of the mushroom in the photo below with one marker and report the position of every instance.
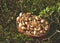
(26, 19)
(26, 23)
(17, 19)
(20, 24)
(29, 18)
(42, 20)
(20, 14)
(37, 18)
(46, 27)
(41, 31)
(34, 32)
(23, 28)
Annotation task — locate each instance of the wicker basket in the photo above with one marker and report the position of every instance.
(32, 25)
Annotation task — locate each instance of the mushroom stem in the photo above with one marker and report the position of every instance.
(34, 32)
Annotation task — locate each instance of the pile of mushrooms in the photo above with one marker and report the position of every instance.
(32, 25)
